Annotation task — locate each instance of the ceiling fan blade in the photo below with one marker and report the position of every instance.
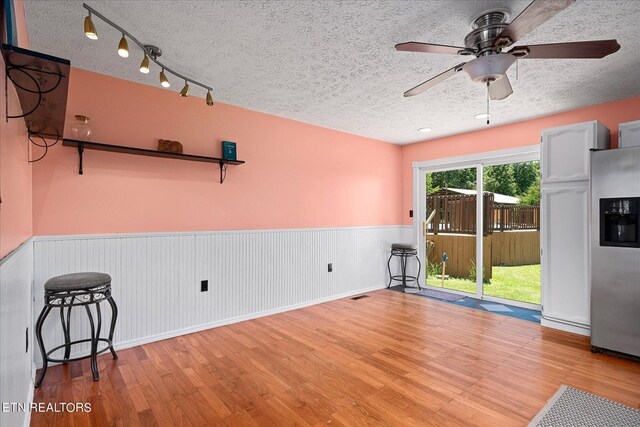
(433, 81)
(534, 15)
(429, 48)
(591, 49)
(500, 88)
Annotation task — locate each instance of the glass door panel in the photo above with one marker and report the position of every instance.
(450, 229)
(512, 231)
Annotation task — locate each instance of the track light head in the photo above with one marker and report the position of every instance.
(185, 89)
(89, 28)
(209, 98)
(144, 65)
(123, 47)
(163, 79)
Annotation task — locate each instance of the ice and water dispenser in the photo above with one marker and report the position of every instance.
(620, 222)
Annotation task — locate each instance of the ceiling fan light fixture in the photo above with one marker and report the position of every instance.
(482, 116)
(488, 67)
(89, 28)
(424, 130)
(123, 47)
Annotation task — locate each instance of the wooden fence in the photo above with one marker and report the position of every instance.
(456, 213)
(515, 248)
(514, 217)
(510, 248)
(461, 249)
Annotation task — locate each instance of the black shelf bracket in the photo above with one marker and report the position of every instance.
(223, 171)
(80, 156)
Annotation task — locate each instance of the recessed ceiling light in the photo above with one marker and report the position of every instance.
(424, 130)
(481, 116)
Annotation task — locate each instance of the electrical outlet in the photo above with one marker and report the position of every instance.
(204, 285)
(411, 213)
(330, 267)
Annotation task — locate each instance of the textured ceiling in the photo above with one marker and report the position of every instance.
(334, 64)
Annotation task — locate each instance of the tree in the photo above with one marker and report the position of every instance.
(525, 175)
(459, 178)
(532, 196)
(499, 179)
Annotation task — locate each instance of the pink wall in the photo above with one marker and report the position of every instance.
(296, 174)
(509, 136)
(15, 171)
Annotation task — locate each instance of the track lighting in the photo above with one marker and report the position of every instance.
(144, 65)
(123, 47)
(89, 28)
(163, 79)
(151, 53)
(185, 89)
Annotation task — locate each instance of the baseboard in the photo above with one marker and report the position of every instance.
(172, 334)
(567, 327)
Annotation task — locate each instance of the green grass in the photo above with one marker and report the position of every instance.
(521, 283)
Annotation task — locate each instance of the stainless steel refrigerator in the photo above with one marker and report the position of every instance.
(615, 250)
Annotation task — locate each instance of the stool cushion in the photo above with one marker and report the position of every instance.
(77, 281)
(403, 246)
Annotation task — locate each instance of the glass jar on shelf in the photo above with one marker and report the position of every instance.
(81, 129)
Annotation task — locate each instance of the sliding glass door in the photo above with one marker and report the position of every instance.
(479, 227)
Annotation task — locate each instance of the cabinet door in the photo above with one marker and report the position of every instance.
(565, 152)
(629, 134)
(565, 254)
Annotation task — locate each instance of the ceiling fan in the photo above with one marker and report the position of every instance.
(489, 37)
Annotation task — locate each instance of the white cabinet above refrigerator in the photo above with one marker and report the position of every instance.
(629, 134)
(565, 151)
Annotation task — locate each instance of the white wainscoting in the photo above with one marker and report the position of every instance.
(16, 379)
(156, 277)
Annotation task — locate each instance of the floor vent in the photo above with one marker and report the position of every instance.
(360, 297)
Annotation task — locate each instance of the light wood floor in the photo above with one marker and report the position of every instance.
(390, 359)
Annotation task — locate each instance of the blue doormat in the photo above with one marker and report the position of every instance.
(478, 304)
(445, 296)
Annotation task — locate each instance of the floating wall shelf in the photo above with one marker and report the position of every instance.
(41, 82)
(82, 145)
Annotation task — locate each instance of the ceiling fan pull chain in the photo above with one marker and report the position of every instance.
(488, 102)
(516, 68)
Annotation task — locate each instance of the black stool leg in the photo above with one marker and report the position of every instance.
(94, 366)
(43, 315)
(418, 276)
(94, 344)
(403, 265)
(114, 317)
(389, 268)
(66, 329)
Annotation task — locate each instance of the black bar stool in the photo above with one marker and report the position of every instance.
(77, 290)
(404, 251)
